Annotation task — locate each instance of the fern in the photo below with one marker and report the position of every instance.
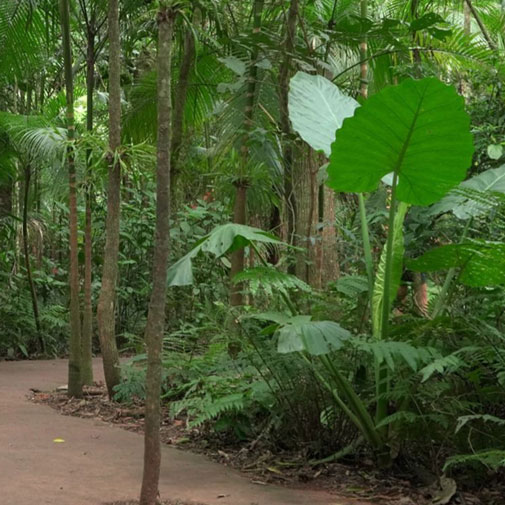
(463, 420)
(270, 280)
(351, 285)
(389, 351)
(492, 458)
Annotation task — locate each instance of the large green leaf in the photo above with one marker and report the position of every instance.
(300, 333)
(482, 262)
(418, 129)
(396, 270)
(222, 240)
(471, 198)
(317, 108)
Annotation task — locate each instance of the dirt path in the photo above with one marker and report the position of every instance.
(99, 463)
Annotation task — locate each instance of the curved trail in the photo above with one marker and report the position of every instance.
(98, 463)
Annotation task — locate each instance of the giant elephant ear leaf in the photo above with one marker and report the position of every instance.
(317, 108)
(419, 130)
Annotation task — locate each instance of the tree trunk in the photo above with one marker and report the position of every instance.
(107, 299)
(482, 26)
(157, 304)
(239, 213)
(33, 293)
(74, 362)
(307, 196)
(181, 94)
(284, 78)
(87, 319)
(329, 237)
(5, 197)
(467, 18)
(363, 50)
(238, 257)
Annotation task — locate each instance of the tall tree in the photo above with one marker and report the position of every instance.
(181, 94)
(107, 299)
(87, 317)
(156, 315)
(74, 362)
(241, 183)
(33, 292)
(284, 77)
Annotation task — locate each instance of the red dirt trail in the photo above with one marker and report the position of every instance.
(100, 463)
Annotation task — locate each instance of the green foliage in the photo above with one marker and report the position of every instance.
(482, 262)
(300, 333)
(473, 197)
(223, 239)
(401, 129)
(317, 108)
(270, 281)
(493, 459)
(132, 386)
(398, 251)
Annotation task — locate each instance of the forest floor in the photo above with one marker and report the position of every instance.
(47, 458)
(85, 469)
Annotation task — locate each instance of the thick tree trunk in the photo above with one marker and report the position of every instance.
(107, 299)
(157, 304)
(239, 213)
(87, 318)
(74, 362)
(33, 293)
(284, 78)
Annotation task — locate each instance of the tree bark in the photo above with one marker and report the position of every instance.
(181, 94)
(87, 319)
(107, 299)
(363, 50)
(74, 362)
(239, 212)
(5, 197)
(157, 304)
(33, 293)
(482, 26)
(284, 78)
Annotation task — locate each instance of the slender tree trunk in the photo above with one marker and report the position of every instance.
(33, 293)
(107, 299)
(5, 197)
(482, 26)
(284, 78)
(157, 304)
(239, 212)
(181, 94)
(467, 18)
(74, 362)
(238, 257)
(87, 319)
(363, 50)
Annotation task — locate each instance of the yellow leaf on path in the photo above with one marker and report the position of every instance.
(58, 440)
